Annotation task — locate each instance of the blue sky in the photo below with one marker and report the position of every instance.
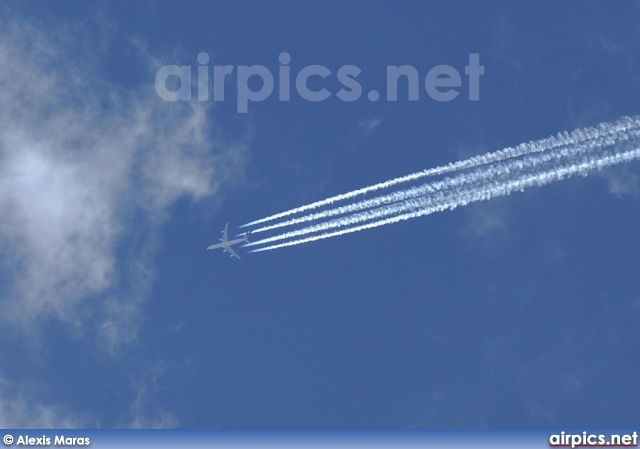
(520, 312)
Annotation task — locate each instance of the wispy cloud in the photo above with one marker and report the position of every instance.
(83, 162)
(368, 125)
(141, 416)
(17, 410)
(622, 181)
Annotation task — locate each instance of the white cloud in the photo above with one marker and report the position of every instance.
(81, 162)
(141, 416)
(622, 180)
(487, 220)
(368, 125)
(16, 411)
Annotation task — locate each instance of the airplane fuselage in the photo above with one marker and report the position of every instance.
(226, 244)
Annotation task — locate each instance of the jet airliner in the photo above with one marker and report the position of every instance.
(226, 244)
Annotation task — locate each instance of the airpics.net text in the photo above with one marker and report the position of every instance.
(256, 83)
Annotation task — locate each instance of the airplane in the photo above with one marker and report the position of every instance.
(226, 244)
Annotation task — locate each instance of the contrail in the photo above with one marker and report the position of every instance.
(413, 200)
(482, 174)
(484, 192)
(434, 193)
(562, 139)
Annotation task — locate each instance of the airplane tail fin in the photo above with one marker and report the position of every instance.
(246, 237)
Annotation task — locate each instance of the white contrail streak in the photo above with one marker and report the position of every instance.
(483, 193)
(433, 193)
(562, 139)
(481, 174)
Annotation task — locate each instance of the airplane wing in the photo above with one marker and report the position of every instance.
(233, 253)
(224, 233)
